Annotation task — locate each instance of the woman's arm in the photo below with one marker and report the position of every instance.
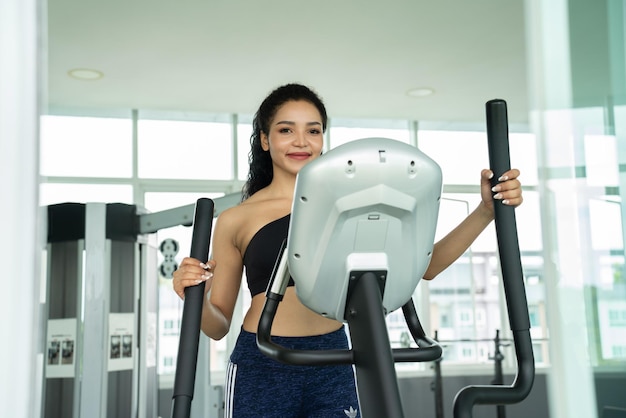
(219, 305)
(222, 277)
(455, 243)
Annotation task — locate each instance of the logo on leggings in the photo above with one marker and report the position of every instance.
(350, 413)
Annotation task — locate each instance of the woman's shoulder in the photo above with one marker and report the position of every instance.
(243, 220)
(263, 202)
(234, 215)
(246, 214)
(248, 207)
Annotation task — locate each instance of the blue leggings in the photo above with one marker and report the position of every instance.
(260, 387)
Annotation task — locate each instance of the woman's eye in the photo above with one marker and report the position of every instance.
(315, 131)
(284, 130)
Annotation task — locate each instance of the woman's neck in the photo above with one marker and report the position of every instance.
(282, 186)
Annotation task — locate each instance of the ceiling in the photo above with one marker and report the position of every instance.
(225, 55)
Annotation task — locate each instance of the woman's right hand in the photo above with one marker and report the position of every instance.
(192, 272)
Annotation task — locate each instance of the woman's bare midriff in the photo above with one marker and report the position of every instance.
(292, 319)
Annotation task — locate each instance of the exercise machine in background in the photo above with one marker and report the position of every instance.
(101, 310)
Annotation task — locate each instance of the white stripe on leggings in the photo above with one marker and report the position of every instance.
(231, 374)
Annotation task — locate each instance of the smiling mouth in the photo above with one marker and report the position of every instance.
(299, 155)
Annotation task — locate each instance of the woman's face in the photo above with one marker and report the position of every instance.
(295, 136)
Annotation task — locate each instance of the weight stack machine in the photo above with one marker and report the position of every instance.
(101, 297)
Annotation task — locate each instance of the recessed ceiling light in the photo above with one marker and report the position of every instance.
(85, 74)
(420, 92)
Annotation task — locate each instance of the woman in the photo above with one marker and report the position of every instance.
(288, 132)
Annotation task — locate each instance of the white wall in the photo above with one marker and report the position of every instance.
(20, 386)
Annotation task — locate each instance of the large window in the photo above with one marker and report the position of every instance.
(244, 131)
(345, 130)
(86, 147)
(166, 160)
(184, 149)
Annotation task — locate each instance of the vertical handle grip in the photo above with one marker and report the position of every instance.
(513, 279)
(187, 360)
(506, 229)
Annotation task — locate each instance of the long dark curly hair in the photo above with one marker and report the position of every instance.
(261, 171)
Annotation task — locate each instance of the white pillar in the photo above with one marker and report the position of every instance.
(20, 229)
(571, 390)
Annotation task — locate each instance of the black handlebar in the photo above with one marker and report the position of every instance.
(515, 293)
(506, 230)
(185, 377)
(428, 348)
(274, 295)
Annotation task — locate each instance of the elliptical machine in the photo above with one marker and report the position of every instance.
(360, 238)
(380, 222)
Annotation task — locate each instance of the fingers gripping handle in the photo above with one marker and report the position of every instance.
(185, 377)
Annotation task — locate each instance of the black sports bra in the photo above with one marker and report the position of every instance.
(261, 254)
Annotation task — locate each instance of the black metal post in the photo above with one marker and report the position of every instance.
(371, 353)
(184, 380)
(498, 378)
(376, 378)
(437, 385)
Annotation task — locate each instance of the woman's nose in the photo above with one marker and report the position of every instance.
(300, 139)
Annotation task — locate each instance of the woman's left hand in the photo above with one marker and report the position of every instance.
(508, 190)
